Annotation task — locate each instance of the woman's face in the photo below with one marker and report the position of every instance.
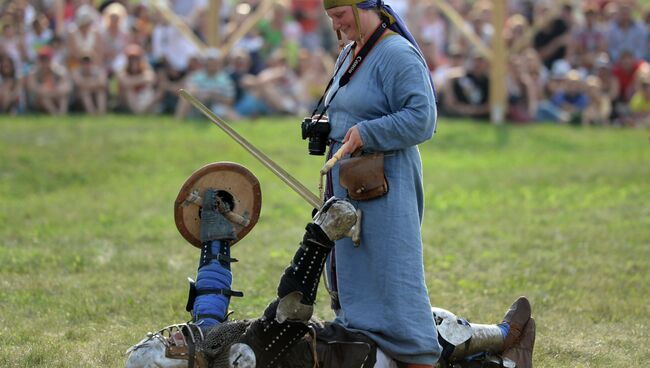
(6, 67)
(343, 20)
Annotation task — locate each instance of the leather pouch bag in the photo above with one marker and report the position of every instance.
(363, 176)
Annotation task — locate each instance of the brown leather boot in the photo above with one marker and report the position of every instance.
(517, 316)
(522, 351)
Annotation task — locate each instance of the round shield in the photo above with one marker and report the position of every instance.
(236, 186)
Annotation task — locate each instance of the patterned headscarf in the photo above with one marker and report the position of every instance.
(396, 23)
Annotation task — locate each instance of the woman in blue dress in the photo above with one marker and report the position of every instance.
(387, 106)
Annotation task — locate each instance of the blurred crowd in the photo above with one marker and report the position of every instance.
(580, 62)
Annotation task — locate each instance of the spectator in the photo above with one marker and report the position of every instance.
(279, 87)
(280, 31)
(433, 28)
(547, 111)
(522, 92)
(626, 33)
(314, 71)
(306, 13)
(136, 81)
(239, 68)
(640, 102)
(37, 36)
(142, 21)
(169, 44)
(115, 36)
(10, 86)
(587, 41)
(13, 45)
(212, 86)
(454, 66)
(49, 85)
(536, 70)
(59, 50)
(84, 38)
(571, 97)
(91, 85)
(599, 107)
(609, 84)
(515, 29)
(468, 94)
(626, 70)
(552, 39)
(170, 81)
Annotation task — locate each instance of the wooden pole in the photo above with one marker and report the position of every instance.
(59, 17)
(214, 23)
(458, 21)
(247, 25)
(498, 70)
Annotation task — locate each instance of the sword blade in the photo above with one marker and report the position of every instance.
(292, 182)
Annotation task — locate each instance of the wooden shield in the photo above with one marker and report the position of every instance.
(235, 185)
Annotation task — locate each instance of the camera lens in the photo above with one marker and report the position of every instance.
(316, 146)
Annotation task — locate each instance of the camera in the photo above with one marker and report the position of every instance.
(317, 131)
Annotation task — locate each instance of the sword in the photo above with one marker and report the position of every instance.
(292, 182)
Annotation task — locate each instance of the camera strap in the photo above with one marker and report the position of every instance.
(353, 67)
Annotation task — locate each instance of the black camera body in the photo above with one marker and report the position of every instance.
(318, 132)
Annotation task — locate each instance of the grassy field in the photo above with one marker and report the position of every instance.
(90, 259)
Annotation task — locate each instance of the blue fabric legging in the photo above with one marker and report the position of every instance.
(211, 309)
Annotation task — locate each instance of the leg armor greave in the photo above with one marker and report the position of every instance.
(210, 295)
(284, 321)
(299, 283)
(484, 339)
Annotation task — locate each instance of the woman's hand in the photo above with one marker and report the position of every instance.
(352, 140)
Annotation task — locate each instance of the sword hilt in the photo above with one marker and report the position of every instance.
(332, 161)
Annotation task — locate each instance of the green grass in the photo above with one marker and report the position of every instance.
(90, 259)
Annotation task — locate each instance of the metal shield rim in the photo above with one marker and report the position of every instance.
(186, 189)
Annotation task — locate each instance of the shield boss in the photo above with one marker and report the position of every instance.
(236, 186)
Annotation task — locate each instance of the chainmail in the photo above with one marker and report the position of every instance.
(216, 344)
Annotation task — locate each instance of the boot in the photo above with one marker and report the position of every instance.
(516, 317)
(522, 351)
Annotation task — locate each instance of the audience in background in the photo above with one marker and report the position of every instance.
(467, 94)
(599, 106)
(580, 62)
(91, 85)
(10, 87)
(49, 85)
(136, 81)
(212, 85)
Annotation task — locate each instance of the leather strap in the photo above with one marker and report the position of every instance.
(226, 292)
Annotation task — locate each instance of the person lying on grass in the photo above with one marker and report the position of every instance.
(287, 335)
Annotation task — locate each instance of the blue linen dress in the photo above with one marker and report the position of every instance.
(381, 284)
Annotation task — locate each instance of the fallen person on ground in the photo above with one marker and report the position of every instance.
(287, 335)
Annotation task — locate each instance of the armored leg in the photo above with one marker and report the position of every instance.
(285, 320)
(484, 339)
(461, 339)
(210, 296)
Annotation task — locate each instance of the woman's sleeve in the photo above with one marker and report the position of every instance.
(405, 81)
